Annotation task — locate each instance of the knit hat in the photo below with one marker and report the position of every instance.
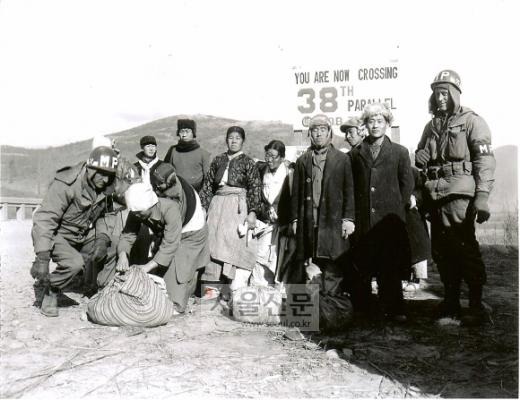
(238, 129)
(187, 124)
(140, 197)
(147, 140)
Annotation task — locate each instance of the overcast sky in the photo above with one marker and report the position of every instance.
(70, 70)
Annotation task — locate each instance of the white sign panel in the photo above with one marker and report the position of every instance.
(293, 152)
(342, 91)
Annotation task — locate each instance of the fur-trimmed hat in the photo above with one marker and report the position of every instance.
(147, 140)
(187, 124)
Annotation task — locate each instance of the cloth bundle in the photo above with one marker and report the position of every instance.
(133, 298)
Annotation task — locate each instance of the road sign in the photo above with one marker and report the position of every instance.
(342, 91)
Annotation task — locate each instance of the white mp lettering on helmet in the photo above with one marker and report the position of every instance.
(103, 158)
(447, 76)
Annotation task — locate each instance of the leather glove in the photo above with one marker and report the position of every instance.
(101, 246)
(481, 207)
(347, 228)
(40, 266)
(421, 158)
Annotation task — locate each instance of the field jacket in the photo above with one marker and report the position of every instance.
(461, 157)
(70, 208)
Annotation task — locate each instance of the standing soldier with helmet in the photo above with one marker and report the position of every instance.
(63, 226)
(455, 153)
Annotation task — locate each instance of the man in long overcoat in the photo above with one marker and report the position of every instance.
(383, 183)
(322, 204)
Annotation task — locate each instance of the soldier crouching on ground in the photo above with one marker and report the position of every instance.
(63, 224)
(455, 153)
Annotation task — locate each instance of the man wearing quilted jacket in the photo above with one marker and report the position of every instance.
(456, 155)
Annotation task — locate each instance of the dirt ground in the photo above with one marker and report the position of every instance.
(207, 354)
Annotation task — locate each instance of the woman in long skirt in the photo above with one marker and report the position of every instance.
(231, 194)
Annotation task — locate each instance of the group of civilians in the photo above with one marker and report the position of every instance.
(347, 217)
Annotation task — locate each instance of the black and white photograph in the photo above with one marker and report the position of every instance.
(259, 199)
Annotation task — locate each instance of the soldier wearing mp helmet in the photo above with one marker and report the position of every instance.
(63, 226)
(456, 155)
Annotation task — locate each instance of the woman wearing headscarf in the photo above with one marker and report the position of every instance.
(183, 233)
(231, 194)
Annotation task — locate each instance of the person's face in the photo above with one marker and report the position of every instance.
(150, 150)
(234, 142)
(186, 135)
(273, 159)
(353, 137)
(320, 136)
(442, 98)
(376, 126)
(142, 215)
(100, 179)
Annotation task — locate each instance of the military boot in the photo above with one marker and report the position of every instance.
(477, 313)
(50, 302)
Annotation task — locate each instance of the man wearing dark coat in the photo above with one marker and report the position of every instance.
(383, 183)
(322, 204)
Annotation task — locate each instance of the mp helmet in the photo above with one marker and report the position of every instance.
(447, 76)
(103, 158)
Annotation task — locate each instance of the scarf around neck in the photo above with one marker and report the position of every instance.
(145, 173)
(185, 147)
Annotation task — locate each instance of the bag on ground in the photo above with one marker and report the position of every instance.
(335, 312)
(133, 298)
(257, 305)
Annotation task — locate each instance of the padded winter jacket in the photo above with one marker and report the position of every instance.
(461, 156)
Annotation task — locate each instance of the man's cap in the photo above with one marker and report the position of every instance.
(353, 122)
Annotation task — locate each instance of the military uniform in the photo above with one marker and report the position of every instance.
(63, 224)
(460, 174)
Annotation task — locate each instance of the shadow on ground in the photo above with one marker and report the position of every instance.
(422, 356)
